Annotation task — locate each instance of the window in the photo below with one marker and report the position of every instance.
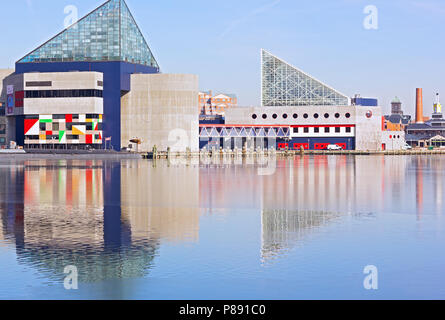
(348, 115)
(348, 130)
(337, 129)
(337, 115)
(274, 116)
(39, 84)
(306, 130)
(284, 115)
(305, 116)
(327, 130)
(316, 116)
(316, 130)
(254, 116)
(295, 116)
(295, 130)
(264, 116)
(326, 115)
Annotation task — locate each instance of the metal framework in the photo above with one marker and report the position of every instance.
(109, 33)
(285, 85)
(244, 132)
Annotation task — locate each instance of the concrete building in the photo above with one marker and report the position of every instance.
(161, 110)
(298, 111)
(70, 91)
(393, 140)
(3, 102)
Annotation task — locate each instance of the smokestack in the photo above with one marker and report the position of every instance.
(419, 105)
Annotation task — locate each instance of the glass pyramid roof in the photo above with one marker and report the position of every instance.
(285, 85)
(109, 33)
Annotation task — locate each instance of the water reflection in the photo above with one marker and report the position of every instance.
(106, 218)
(111, 218)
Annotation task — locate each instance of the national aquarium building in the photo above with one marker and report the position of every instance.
(98, 83)
(297, 112)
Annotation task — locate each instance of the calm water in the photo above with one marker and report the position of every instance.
(301, 228)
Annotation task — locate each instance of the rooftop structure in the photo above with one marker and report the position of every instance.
(286, 85)
(109, 33)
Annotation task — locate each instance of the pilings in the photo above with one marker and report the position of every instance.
(248, 152)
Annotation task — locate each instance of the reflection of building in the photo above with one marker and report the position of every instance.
(282, 229)
(162, 202)
(77, 90)
(103, 217)
(297, 111)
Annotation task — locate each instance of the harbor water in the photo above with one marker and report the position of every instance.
(303, 227)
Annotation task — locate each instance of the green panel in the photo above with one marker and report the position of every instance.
(46, 121)
(61, 134)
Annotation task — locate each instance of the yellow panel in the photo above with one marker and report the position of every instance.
(77, 131)
(42, 137)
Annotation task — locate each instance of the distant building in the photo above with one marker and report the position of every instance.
(396, 107)
(216, 105)
(430, 132)
(397, 121)
(3, 102)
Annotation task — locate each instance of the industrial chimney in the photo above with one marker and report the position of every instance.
(419, 105)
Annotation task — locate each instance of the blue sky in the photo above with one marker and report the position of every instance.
(221, 41)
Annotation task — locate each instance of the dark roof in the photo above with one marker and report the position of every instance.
(397, 118)
(417, 137)
(418, 126)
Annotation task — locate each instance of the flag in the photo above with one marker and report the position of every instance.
(108, 139)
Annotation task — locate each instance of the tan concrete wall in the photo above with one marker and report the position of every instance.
(48, 106)
(368, 134)
(161, 110)
(66, 80)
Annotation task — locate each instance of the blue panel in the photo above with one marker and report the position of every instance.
(116, 76)
(365, 102)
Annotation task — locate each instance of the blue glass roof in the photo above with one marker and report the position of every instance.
(109, 33)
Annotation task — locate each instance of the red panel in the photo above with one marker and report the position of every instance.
(69, 118)
(19, 96)
(283, 145)
(297, 146)
(29, 123)
(49, 133)
(89, 139)
(343, 145)
(321, 146)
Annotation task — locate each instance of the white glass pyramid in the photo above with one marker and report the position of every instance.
(286, 85)
(109, 33)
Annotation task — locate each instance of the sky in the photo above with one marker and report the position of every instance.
(221, 41)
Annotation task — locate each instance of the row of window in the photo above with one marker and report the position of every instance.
(56, 137)
(305, 116)
(63, 93)
(64, 116)
(69, 126)
(325, 129)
